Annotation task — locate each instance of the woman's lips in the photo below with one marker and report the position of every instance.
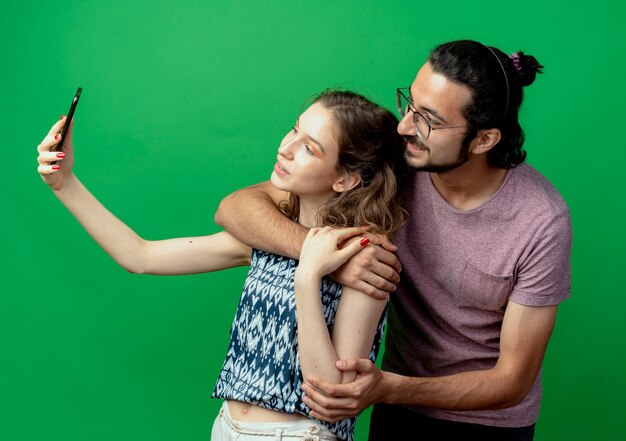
(280, 170)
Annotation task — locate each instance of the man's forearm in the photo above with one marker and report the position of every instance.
(476, 390)
(525, 334)
(251, 215)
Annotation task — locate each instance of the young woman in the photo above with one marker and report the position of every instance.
(335, 174)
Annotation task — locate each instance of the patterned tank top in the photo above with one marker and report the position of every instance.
(262, 365)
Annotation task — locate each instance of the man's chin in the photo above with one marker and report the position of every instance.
(416, 164)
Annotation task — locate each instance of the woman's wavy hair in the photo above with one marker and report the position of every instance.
(496, 81)
(370, 147)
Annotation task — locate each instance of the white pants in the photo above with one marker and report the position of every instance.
(226, 429)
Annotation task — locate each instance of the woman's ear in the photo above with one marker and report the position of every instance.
(485, 140)
(347, 182)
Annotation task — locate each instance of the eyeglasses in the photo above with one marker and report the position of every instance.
(422, 126)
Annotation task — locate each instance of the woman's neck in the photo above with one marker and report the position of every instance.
(308, 213)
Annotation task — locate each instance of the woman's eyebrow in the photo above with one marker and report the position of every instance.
(315, 141)
(319, 144)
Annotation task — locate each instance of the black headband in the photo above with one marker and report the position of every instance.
(506, 79)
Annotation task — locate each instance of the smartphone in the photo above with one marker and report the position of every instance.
(66, 126)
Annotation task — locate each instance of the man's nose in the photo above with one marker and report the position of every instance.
(406, 126)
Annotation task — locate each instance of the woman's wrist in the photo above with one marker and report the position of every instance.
(70, 187)
(305, 276)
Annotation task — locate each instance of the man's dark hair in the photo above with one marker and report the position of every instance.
(496, 82)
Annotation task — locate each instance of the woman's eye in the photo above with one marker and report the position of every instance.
(308, 150)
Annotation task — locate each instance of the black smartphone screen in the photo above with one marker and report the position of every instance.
(66, 126)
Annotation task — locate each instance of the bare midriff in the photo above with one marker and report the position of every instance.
(241, 411)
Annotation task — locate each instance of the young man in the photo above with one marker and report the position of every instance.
(485, 256)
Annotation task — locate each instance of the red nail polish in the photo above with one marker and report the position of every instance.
(56, 137)
(62, 116)
(56, 167)
(61, 155)
(364, 241)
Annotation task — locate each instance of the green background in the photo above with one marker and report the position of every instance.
(186, 101)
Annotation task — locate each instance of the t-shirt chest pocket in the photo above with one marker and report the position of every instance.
(485, 290)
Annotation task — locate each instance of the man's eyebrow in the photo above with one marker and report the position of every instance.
(433, 112)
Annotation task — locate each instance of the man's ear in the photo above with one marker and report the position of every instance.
(485, 140)
(346, 182)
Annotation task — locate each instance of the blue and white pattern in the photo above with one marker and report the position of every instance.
(262, 365)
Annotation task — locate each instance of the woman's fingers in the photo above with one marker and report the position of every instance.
(48, 156)
(347, 242)
(352, 248)
(53, 137)
(56, 128)
(340, 235)
(49, 142)
(48, 169)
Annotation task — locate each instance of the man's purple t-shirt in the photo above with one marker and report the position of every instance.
(461, 268)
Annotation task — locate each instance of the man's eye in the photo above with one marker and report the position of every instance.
(432, 122)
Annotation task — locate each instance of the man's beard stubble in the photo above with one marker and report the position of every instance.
(464, 156)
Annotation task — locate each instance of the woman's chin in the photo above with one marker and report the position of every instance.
(277, 182)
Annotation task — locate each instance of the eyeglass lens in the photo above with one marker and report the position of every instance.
(420, 123)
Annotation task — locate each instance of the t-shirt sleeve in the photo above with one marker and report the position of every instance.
(543, 276)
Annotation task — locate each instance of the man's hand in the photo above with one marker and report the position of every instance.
(374, 271)
(334, 402)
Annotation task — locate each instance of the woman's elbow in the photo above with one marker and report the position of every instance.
(134, 267)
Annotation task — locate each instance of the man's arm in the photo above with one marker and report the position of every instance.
(526, 331)
(252, 216)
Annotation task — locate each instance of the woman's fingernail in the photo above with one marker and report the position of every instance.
(61, 155)
(364, 241)
(62, 116)
(56, 137)
(56, 167)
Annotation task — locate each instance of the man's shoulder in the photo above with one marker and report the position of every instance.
(531, 188)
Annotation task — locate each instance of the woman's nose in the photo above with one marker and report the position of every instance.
(286, 150)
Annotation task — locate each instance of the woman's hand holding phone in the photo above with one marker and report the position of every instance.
(57, 146)
(55, 167)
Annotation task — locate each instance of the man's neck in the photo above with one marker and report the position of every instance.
(470, 185)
